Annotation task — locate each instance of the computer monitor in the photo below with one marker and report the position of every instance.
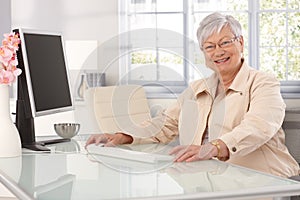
(43, 87)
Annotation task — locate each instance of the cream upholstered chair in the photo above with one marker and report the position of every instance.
(118, 107)
(292, 138)
(291, 127)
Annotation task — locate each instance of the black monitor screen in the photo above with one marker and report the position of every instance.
(50, 89)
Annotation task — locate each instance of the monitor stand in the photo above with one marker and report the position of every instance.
(25, 125)
(40, 145)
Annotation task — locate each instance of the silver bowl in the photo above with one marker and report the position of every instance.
(67, 130)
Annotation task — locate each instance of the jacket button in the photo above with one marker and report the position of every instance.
(233, 149)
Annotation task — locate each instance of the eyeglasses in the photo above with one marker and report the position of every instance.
(210, 47)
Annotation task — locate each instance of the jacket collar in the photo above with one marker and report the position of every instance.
(241, 78)
(209, 85)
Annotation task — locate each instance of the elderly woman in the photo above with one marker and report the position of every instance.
(239, 110)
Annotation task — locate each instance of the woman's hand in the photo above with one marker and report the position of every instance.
(109, 139)
(203, 152)
(194, 152)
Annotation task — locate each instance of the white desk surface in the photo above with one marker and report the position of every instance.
(72, 174)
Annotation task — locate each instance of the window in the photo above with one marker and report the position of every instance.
(279, 43)
(160, 50)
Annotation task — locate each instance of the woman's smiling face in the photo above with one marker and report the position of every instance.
(226, 59)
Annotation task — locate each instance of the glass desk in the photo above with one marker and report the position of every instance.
(70, 173)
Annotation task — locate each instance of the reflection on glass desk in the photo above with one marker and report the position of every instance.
(75, 175)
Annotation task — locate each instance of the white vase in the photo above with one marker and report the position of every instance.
(10, 142)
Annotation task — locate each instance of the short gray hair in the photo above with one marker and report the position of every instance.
(214, 23)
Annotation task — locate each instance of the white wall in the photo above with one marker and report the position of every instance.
(5, 14)
(76, 19)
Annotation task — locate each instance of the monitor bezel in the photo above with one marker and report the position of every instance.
(34, 112)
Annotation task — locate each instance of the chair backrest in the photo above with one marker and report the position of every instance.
(291, 128)
(119, 107)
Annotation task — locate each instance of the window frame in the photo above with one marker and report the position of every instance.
(171, 89)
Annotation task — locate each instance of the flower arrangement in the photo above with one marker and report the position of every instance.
(8, 59)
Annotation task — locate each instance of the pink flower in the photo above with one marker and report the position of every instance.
(11, 40)
(16, 71)
(7, 77)
(13, 61)
(8, 61)
(5, 55)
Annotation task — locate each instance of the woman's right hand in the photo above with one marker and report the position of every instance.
(109, 139)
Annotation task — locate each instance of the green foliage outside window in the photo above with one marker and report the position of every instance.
(149, 57)
(279, 41)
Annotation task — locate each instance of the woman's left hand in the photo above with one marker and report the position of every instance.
(194, 152)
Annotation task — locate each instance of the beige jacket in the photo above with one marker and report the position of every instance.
(247, 119)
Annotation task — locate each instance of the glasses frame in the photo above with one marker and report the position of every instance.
(222, 44)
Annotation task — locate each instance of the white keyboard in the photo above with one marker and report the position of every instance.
(128, 154)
